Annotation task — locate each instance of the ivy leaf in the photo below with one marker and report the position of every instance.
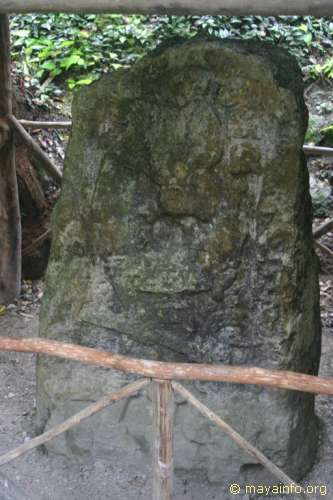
(72, 60)
(49, 65)
(307, 38)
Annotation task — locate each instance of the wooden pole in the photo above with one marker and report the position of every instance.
(162, 398)
(28, 124)
(323, 229)
(317, 151)
(36, 125)
(173, 371)
(242, 443)
(45, 125)
(46, 163)
(28, 250)
(178, 7)
(324, 249)
(33, 125)
(76, 419)
(10, 220)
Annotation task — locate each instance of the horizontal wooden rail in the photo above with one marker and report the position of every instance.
(45, 125)
(177, 7)
(317, 150)
(29, 124)
(33, 125)
(172, 371)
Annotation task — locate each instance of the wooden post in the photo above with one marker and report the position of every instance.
(10, 221)
(45, 161)
(323, 229)
(162, 440)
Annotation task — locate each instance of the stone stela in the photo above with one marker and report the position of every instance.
(183, 233)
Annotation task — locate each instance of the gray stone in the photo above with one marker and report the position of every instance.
(10, 490)
(183, 233)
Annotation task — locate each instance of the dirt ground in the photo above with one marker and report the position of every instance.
(39, 476)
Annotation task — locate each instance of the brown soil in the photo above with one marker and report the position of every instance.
(36, 191)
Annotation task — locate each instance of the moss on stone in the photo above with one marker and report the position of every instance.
(184, 233)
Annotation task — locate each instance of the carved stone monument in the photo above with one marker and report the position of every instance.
(183, 233)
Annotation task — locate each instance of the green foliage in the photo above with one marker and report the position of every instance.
(313, 135)
(322, 71)
(317, 134)
(327, 136)
(77, 49)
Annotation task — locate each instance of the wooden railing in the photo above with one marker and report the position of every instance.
(176, 7)
(10, 244)
(19, 126)
(162, 376)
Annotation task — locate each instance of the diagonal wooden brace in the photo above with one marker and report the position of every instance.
(76, 419)
(235, 436)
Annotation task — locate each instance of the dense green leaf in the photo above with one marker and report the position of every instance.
(71, 45)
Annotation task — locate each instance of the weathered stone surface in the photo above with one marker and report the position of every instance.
(10, 490)
(184, 233)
